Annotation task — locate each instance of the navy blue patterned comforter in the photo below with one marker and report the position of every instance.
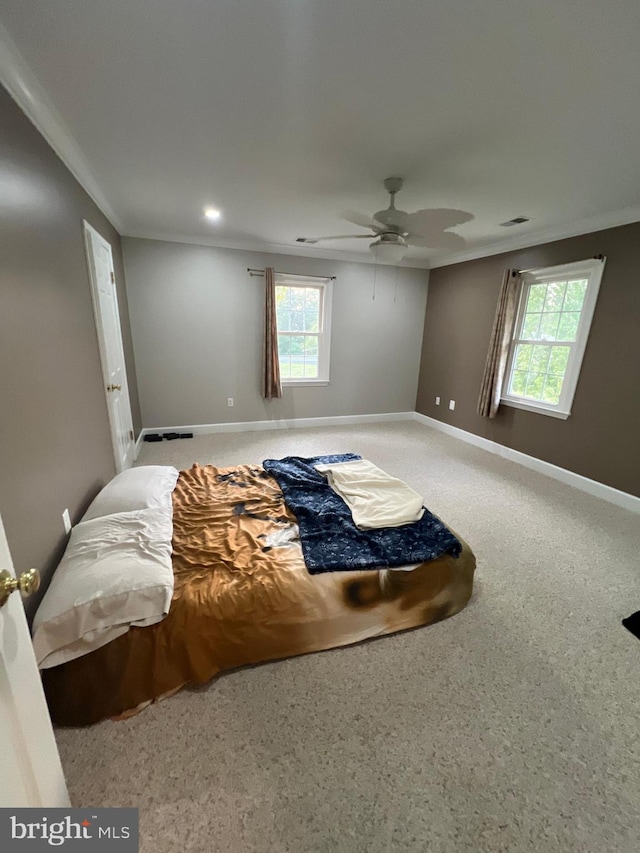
(331, 542)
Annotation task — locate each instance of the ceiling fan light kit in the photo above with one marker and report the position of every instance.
(388, 251)
(396, 230)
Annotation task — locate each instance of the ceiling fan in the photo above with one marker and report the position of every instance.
(396, 230)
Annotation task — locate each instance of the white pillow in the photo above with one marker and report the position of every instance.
(116, 572)
(135, 488)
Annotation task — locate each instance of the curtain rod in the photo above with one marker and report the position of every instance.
(520, 272)
(255, 272)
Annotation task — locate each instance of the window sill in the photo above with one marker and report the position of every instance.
(534, 407)
(288, 383)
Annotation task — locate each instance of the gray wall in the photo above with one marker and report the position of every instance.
(600, 439)
(55, 446)
(196, 317)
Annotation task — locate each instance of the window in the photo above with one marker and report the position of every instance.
(552, 325)
(303, 312)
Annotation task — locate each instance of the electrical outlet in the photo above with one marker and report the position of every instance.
(66, 520)
(452, 404)
(437, 401)
(229, 401)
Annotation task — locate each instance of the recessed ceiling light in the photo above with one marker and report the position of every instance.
(212, 213)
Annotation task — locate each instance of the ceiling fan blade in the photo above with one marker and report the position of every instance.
(336, 237)
(439, 219)
(393, 217)
(441, 240)
(360, 219)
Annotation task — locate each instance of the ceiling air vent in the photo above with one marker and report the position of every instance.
(518, 220)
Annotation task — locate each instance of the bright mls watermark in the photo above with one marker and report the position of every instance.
(104, 830)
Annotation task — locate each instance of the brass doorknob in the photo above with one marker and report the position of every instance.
(114, 387)
(27, 583)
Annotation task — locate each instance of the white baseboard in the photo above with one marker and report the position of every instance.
(592, 487)
(291, 423)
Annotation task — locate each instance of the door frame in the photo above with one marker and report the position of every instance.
(90, 232)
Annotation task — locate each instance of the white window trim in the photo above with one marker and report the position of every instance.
(591, 269)
(324, 336)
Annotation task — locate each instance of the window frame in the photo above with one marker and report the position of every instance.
(325, 286)
(591, 269)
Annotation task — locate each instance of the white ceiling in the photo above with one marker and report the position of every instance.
(285, 113)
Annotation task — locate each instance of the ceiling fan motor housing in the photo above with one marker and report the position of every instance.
(390, 238)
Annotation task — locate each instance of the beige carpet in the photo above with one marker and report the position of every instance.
(512, 726)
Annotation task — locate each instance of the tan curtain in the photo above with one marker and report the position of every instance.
(271, 386)
(494, 370)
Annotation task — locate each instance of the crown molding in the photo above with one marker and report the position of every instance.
(271, 248)
(613, 219)
(26, 90)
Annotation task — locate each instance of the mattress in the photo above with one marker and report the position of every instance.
(243, 595)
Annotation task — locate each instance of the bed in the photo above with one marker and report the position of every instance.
(241, 594)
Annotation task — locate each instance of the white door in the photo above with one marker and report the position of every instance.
(30, 769)
(105, 306)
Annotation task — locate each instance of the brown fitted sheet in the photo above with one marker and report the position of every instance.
(243, 595)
